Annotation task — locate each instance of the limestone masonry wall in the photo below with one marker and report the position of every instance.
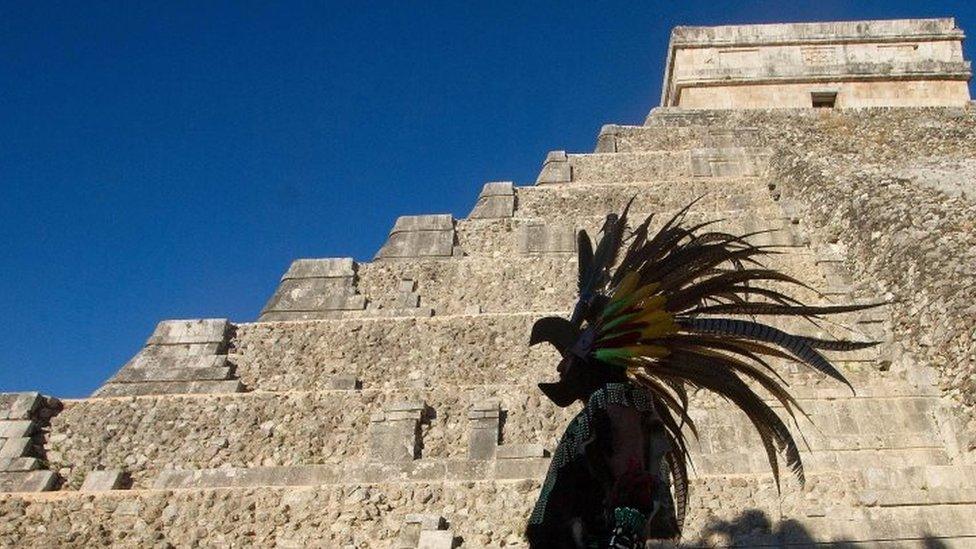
(887, 185)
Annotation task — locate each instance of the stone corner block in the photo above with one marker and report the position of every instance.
(328, 267)
(18, 406)
(190, 331)
(496, 201)
(555, 169)
(420, 236)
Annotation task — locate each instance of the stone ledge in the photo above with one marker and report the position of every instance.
(169, 388)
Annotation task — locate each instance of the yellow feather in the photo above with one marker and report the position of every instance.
(626, 286)
(652, 351)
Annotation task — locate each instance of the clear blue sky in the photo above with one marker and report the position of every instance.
(170, 161)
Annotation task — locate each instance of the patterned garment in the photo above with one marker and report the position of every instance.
(575, 456)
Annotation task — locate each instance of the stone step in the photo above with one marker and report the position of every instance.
(483, 514)
(616, 138)
(713, 194)
(623, 167)
(172, 387)
(483, 349)
(521, 236)
(263, 429)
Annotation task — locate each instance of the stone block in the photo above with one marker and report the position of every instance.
(31, 481)
(407, 286)
(344, 383)
(395, 433)
(436, 539)
(311, 286)
(188, 332)
(472, 310)
(408, 301)
(17, 428)
(103, 481)
(483, 430)
(19, 405)
(19, 464)
(546, 238)
(496, 201)
(330, 267)
(555, 169)
(16, 447)
(420, 236)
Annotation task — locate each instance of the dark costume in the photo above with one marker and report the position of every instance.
(641, 334)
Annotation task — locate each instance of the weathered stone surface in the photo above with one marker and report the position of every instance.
(19, 463)
(420, 236)
(101, 481)
(497, 200)
(860, 196)
(182, 356)
(910, 62)
(316, 288)
(19, 405)
(170, 388)
(555, 169)
(31, 481)
(436, 539)
(188, 332)
(484, 430)
(17, 428)
(546, 238)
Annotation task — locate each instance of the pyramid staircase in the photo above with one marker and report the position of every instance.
(392, 403)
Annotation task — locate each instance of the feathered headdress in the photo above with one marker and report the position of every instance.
(661, 319)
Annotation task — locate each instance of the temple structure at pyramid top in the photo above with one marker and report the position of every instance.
(896, 63)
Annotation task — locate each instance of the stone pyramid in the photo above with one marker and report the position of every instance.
(392, 403)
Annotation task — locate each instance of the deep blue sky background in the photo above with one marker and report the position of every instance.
(169, 161)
